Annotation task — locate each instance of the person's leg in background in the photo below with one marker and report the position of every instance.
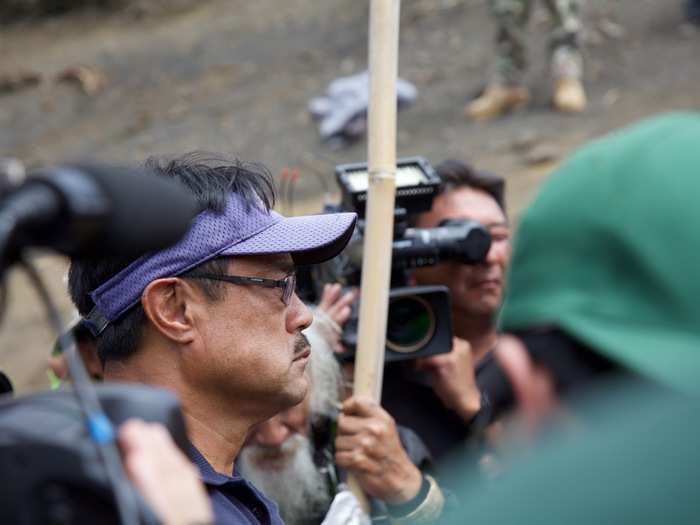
(505, 90)
(566, 61)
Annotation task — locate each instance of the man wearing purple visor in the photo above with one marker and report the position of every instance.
(215, 317)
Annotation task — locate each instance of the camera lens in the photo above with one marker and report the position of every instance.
(411, 324)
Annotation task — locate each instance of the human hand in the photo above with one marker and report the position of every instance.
(166, 479)
(368, 446)
(454, 379)
(332, 313)
(533, 384)
(336, 304)
(87, 349)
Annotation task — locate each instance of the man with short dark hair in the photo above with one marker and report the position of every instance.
(443, 414)
(215, 317)
(476, 290)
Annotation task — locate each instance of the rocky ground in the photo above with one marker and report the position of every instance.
(236, 76)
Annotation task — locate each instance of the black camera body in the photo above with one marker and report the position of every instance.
(419, 320)
(53, 473)
(419, 324)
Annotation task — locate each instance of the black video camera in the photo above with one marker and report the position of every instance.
(419, 321)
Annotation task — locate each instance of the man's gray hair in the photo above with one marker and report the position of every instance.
(324, 374)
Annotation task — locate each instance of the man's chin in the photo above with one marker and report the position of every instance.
(295, 392)
(483, 304)
(273, 458)
(296, 485)
(277, 462)
(302, 388)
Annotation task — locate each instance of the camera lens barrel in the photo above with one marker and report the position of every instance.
(463, 241)
(467, 242)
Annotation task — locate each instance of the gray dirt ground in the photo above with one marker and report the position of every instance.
(235, 76)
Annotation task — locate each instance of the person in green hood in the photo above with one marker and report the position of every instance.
(603, 318)
(606, 264)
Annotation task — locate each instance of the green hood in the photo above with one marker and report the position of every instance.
(610, 251)
(638, 464)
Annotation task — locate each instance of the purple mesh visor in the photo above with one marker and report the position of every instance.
(240, 230)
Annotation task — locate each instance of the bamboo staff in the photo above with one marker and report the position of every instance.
(376, 261)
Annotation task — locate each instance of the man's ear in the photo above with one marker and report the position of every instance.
(169, 304)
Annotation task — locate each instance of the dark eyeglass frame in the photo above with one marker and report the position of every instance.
(288, 284)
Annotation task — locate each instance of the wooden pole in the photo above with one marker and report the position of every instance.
(376, 261)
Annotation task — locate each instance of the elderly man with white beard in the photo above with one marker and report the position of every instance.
(300, 457)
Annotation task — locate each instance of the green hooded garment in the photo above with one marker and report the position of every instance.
(609, 251)
(639, 465)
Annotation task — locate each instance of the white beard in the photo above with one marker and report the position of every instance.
(298, 488)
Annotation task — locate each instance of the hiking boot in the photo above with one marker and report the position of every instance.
(569, 96)
(497, 100)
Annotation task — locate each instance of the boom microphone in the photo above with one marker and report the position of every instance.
(94, 210)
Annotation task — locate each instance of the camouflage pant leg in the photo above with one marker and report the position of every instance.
(511, 18)
(566, 59)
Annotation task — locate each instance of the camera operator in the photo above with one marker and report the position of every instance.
(214, 317)
(476, 291)
(448, 408)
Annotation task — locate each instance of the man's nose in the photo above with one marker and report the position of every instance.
(299, 317)
(496, 253)
(271, 433)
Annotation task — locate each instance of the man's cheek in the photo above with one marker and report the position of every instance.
(504, 252)
(462, 274)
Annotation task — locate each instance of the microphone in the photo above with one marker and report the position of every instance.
(88, 210)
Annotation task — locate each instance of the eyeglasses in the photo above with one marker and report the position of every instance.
(288, 284)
